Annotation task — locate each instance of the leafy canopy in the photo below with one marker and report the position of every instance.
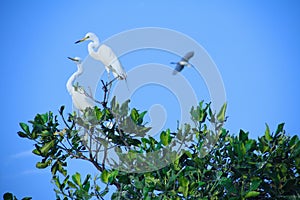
(215, 164)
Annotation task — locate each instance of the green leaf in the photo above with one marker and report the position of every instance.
(124, 108)
(9, 196)
(36, 152)
(98, 113)
(104, 176)
(86, 187)
(142, 116)
(241, 151)
(45, 117)
(25, 128)
(112, 176)
(26, 198)
(45, 149)
(267, 133)
(61, 169)
(56, 181)
(201, 183)
(42, 165)
(145, 141)
(72, 185)
(279, 128)
(138, 184)
(255, 182)
(183, 181)
(86, 180)
(203, 115)
(250, 145)
(54, 168)
(77, 179)
(252, 194)
(243, 136)
(227, 182)
(134, 115)
(165, 137)
(211, 115)
(194, 114)
(184, 190)
(293, 141)
(221, 114)
(22, 135)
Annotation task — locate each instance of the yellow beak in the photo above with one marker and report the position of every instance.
(82, 40)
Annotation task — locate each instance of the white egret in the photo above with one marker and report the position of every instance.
(104, 54)
(183, 62)
(80, 100)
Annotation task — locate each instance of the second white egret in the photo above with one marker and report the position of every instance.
(80, 100)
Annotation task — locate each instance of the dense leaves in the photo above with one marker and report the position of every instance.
(216, 164)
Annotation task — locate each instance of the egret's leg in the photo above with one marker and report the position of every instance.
(109, 83)
(108, 76)
(108, 92)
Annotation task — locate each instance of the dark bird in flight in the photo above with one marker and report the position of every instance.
(183, 62)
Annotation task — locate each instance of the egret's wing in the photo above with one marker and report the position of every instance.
(117, 70)
(107, 56)
(111, 61)
(178, 68)
(188, 56)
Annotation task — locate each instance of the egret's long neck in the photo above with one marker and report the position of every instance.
(71, 80)
(93, 47)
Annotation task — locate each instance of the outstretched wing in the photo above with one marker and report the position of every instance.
(184, 61)
(188, 56)
(178, 68)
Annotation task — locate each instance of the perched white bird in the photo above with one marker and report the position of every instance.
(104, 54)
(183, 62)
(80, 100)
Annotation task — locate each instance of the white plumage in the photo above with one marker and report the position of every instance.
(104, 54)
(79, 99)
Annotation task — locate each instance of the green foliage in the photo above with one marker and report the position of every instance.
(75, 188)
(10, 196)
(216, 165)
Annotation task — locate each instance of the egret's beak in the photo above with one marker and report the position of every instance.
(73, 59)
(82, 40)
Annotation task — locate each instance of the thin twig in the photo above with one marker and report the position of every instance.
(91, 97)
(104, 103)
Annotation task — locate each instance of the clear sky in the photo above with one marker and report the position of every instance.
(254, 44)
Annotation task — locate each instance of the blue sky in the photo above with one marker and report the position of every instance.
(255, 45)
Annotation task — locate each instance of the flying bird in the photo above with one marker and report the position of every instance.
(104, 54)
(79, 99)
(183, 62)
